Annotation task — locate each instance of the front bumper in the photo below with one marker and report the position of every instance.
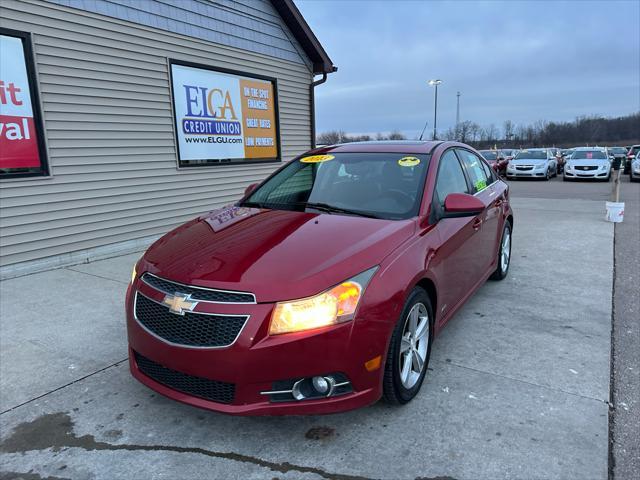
(256, 360)
(526, 173)
(587, 174)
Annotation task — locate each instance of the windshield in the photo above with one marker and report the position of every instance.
(532, 155)
(588, 155)
(380, 185)
(489, 155)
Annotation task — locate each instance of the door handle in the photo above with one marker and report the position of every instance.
(477, 223)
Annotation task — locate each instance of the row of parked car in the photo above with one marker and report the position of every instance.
(593, 163)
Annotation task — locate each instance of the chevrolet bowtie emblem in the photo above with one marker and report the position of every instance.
(179, 303)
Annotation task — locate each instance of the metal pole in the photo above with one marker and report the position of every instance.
(435, 112)
(458, 111)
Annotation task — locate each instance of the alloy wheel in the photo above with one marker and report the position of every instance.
(505, 250)
(414, 345)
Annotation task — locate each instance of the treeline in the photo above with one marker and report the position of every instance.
(339, 136)
(582, 131)
(589, 130)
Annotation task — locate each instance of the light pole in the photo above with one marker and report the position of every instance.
(435, 83)
(458, 111)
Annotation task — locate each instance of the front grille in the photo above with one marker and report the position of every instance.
(198, 293)
(191, 329)
(213, 390)
(587, 167)
(524, 167)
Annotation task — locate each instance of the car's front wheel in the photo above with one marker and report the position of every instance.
(409, 349)
(504, 254)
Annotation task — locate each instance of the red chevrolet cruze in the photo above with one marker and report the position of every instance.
(323, 288)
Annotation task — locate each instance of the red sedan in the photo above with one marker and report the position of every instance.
(496, 159)
(323, 288)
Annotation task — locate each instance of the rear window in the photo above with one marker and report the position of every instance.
(489, 155)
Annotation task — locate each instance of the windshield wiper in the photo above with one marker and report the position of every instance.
(325, 207)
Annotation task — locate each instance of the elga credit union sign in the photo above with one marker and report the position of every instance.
(20, 134)
(223, 117)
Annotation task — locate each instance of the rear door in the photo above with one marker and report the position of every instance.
(484, 187)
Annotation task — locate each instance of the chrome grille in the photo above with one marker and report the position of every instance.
(198, 293)
(196, 330)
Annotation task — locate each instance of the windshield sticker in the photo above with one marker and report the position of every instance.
(317, 158)
(589, 155)
(481, 185)
(408, 161)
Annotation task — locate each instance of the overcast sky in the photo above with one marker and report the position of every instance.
(518, 60)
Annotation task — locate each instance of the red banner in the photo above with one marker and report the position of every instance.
(18, 142)
(18, 134)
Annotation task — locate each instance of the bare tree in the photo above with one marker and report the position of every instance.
(331, 138)
(509, 128)
(396, 135)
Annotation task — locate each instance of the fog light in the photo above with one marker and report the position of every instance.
(320, 384)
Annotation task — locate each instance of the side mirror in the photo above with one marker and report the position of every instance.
(250, 189)
(462, 205)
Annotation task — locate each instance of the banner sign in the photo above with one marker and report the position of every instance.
(21, 147)
(223, 116)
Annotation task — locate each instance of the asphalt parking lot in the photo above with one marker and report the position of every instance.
(519, 385)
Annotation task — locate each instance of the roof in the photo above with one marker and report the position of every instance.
(384, 146)
(305, 36)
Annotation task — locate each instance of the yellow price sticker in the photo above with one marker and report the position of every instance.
(317, 158)
(408, 161)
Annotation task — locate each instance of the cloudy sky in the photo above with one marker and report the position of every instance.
(518, 60)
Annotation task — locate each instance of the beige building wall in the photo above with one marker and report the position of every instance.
(114, 184)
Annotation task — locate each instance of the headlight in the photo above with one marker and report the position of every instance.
(336, 305)
(133, 273)
(541, 166)
(605, 167)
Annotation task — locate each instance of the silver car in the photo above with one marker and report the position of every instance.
(588, 163)
(634, 172)
(533, 163)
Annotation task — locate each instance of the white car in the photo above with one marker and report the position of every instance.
(533, 163)
(588, 163)
(634, 172)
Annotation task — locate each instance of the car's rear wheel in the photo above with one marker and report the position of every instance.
(409, 349)
(504, 254)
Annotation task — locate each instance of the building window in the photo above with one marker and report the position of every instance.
(22, 150)
(223, 116)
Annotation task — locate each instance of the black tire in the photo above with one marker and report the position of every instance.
(547, 177)
(394, 392)
(500, 272)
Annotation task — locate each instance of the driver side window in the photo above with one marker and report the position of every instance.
(451, 178)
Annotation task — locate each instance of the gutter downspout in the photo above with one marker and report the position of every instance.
(312, 105)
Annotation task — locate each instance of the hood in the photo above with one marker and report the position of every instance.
(528, 161)
(275, 254)
(588, 162)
